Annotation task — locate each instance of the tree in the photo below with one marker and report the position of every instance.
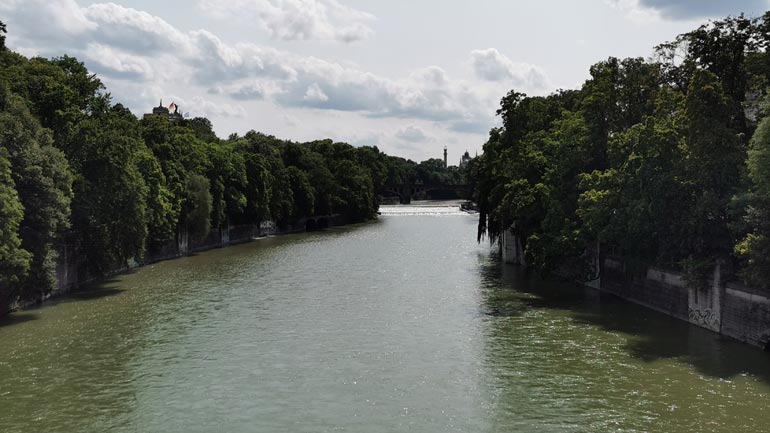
(227, 174)
(432, 172)
(558, 241)
(196, 209)
(302, 192)
(722, 48)
(44, 182)
(162, 209)
(259, 186)
(3, 31)
(370, 158)
(754, 248)
(713, 170)
(356, 191)
(110, 204)
(636, 207)
(14, 261)
(202, 128)
(326, 190)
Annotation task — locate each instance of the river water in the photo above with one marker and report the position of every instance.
(402, 324)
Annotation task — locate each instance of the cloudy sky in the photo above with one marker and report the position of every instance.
(410, 76)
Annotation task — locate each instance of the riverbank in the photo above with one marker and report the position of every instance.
(72, 272)
(724, 307)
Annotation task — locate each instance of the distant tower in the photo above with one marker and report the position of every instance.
(445, 166)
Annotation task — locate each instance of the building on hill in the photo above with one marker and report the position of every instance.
(466, 158)
(161, 111)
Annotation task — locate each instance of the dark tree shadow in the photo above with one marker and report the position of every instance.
(90, 294)
(16, 318)
(102, 289)
(653, 335)
(98, 290)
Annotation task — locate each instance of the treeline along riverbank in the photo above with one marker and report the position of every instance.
(658, 163)
(87, 185)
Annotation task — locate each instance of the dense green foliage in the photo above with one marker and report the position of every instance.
(14, 261)
(43, 181)
(82, 175)
(648, 158)
(754, 248)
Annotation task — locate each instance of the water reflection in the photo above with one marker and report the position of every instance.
(71, 371)
(588, 361)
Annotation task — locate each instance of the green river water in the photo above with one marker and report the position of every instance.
(405, 324)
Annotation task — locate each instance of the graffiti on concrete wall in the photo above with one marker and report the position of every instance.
(704, 317)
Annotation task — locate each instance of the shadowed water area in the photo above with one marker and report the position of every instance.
(402, 324)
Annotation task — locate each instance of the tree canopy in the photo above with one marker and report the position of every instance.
(657, 160)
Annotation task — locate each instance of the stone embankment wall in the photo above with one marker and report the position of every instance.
(746, 315)
(724, 307)
(72, 272)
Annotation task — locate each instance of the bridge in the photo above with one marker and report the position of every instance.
(407, 193)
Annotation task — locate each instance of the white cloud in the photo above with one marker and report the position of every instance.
(133, 30)
(60, 21)
(201, 107)
(412, 134)
(297, 19)
(690, 9)
(138, 96)
(634, 11)
(290, 120)
(247, 90)
(111, 61)
(366, 137)
(491, 65)
(315, 94)
(140, 56)
(215, 61)
(426, 94)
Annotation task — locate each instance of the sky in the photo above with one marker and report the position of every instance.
(409, 76)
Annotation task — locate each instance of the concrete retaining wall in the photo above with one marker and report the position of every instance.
(724, 307)
(510, 246)
(71, 270)
(659, 290)
(746, 315)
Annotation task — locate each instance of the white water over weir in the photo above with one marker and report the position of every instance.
(451, 207)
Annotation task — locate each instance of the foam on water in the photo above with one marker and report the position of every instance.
(420, 210)
(423, 208)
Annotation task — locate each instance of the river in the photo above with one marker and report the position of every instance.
(402, 324)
